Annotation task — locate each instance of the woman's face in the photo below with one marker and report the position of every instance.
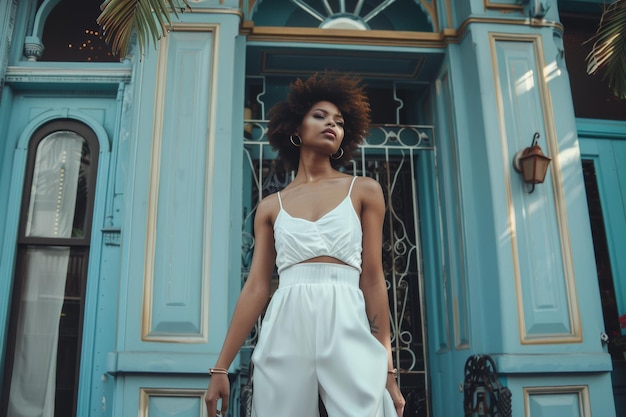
(322, 126)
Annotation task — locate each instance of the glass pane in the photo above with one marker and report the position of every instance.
(48, 332)
(71, 34)
(40, 303)
(67, 355)
(59, 191)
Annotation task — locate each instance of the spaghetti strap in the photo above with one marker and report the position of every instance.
(351, 185)
(279, 200)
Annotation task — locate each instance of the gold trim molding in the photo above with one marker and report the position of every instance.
(382, 38)
(146, 393)
(344, 36)
(575, 335)
(153, 193)
(503, 7)
(582, 391)
(236, 12)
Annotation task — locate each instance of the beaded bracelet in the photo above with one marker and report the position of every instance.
(217, 371)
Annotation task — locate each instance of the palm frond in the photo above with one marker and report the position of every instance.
(149, 18)
(609, 49)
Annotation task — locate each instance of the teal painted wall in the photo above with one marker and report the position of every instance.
(164, 272)
(196, 78)
(521, 261)
(30, 110)
(179, 275)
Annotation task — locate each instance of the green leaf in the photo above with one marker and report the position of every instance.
(150, 19)
(608, 54)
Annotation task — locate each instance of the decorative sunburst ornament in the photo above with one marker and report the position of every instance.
(341, 18)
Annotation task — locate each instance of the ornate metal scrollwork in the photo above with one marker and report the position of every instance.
(483, 394)
(389, 155)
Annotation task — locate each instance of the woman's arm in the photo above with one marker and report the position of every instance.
(252, 300)
(372, 281)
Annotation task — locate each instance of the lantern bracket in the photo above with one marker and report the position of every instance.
(532, 163)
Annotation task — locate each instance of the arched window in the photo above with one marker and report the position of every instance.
(44, 341)
(71, 33)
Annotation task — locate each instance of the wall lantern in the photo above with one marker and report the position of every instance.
(532, 163)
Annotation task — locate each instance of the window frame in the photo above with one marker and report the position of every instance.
(80, 245)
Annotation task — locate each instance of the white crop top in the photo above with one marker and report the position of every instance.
(337, 234)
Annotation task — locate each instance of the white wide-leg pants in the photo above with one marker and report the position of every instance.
(315, 339)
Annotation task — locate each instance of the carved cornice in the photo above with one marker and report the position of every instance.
(16, 75)
(380, 37)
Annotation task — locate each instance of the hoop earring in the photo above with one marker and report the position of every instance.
(335, 156)
(293, 142)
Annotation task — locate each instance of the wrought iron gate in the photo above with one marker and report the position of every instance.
(391, 155)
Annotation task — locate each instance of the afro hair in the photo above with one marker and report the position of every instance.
(343, 90)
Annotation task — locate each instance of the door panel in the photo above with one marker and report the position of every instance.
(605, 178)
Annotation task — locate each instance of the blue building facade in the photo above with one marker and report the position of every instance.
(129, 189)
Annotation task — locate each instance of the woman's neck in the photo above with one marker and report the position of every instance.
(312, 177)
(313, 169)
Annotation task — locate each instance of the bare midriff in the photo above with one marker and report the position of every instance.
(324, 259)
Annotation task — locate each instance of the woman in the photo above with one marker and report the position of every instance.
(326, 329)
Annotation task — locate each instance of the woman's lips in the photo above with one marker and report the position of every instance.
(330, 132)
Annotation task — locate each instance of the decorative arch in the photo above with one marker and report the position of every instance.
(406, 15)
(17, 185)
(41, 16)
(33, 47)
(64, 113)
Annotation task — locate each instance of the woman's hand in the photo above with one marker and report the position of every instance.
(396, 394)
(219, 388)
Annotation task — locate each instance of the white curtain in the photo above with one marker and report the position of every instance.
(50, 214)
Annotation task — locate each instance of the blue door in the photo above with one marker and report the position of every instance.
(603, 154)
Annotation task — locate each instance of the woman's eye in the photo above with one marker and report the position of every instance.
(318, 116)
(341, 123)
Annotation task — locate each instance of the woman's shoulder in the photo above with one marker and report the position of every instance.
(367, 186)
(367, 194)
(268, 207)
